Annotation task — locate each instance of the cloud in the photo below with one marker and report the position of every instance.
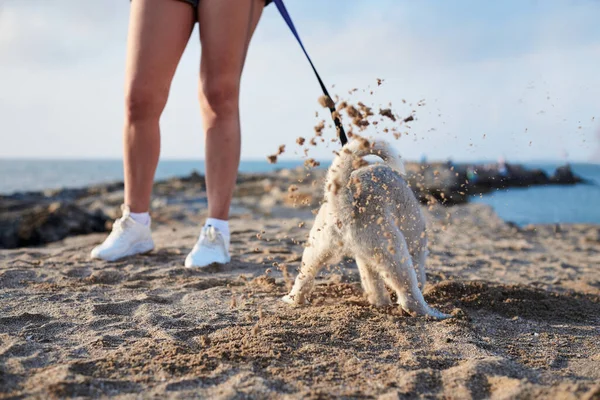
(519, 73)
(36, 33)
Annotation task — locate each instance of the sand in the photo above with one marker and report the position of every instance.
(526, 303)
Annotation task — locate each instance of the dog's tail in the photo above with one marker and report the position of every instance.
(350, 159)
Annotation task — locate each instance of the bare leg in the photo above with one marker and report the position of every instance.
(372, 284)
(226, 27)
(158, 33)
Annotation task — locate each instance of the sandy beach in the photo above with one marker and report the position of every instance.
(490, 106)
(525, 301)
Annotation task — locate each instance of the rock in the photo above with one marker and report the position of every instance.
(34, 218)
(194, 177)
(564, 176)
(48, 223)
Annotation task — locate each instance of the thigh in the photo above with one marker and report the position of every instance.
(226, 27)
(158, 34)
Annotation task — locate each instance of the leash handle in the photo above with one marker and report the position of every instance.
(288, 20)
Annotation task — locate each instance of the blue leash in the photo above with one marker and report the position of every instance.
(288, 20)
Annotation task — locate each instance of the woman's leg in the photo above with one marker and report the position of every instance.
(158, 34)
(226, 27)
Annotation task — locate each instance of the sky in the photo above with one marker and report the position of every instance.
(516, 79)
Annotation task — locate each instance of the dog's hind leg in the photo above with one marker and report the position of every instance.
(419, 258)
(416, 240)
(399, 274)
(372, 284)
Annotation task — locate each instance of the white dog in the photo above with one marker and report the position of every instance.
(370, 214)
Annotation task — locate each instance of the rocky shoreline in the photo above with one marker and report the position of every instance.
(35, 218)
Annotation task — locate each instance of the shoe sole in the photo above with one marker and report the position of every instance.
(138, 248)
(208, 265)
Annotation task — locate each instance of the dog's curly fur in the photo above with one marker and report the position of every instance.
(370, 214)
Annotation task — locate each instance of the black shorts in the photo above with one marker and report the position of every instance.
(195, 2)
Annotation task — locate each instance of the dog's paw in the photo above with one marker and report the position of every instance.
(438, 314)
(435, 314)
(428, 312)
(288, 299)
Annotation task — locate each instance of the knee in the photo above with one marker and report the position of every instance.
(220, 96)
(143, 103)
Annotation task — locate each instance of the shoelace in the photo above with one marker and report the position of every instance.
(210, 236)
(118, 227)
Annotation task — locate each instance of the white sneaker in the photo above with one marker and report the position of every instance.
(127, 238)
(212, 247)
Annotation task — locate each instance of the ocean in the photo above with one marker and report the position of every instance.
(522, 206)
(550, 204)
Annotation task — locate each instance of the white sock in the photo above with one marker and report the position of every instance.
(220, 224)
(141, 218)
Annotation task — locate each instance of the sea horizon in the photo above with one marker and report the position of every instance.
(39, 174)
(522, 206)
